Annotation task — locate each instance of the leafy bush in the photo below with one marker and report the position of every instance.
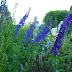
(57, 16)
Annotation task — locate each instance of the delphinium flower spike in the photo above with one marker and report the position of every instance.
(1, 25)
(48, 44)
(21, 23)
(3, 9)
(60, 36)
(43, 33)
(37, 27)
(14, 10)
(28, 35)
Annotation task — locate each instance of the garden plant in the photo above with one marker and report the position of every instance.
(26, 47)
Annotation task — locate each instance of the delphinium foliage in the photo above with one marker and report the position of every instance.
(23, 51)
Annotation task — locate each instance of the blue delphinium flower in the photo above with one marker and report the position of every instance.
(48, 44)
(3, 10)
(28, 35)
(22, 21)
(43, 48)
(18, 26)
(60, 36)
(37, 27)
(43, 33)
(1, 25)
(69, 16)
(17, 30)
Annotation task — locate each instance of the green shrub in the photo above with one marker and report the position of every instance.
(57, 15)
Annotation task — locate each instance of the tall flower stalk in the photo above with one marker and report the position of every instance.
(21, 23)
(28, 35)
(43, 32)
(3, 9)
(64, 26)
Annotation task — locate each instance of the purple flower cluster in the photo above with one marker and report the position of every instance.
(60, 36)
(21, 23)
(17, 29)
(43, 32)
(1, 25)
(3, 9)
(28, 35)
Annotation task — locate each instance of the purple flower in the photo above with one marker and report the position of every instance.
(3, 20)
(22, 21)
(17, 30)
(42, 34)
(19, 26)
(60, 36)
(3, 10)
(69, 16)
(37, 22)
(28, 35)
(48, 44)
(1, 25)
(42, 48)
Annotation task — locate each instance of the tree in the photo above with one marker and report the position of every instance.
(57, 15)
(71, 8)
